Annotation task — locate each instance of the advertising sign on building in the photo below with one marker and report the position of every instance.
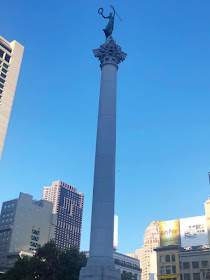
(193, 231)
(169, 233)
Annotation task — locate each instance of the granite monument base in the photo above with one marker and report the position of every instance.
(100, 273)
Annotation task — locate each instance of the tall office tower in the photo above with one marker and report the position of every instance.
(10, 60)
(68, 205)
(151, 241)
(24, 225)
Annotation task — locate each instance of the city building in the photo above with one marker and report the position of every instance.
(137, 255)
(126, 264)
(10, 60)
(184, 251)
(24, 225)
(68, 205)
(168, 263)
(151, 241)
(153, 266)
(188, 233)
(195, 264)
(175, 262)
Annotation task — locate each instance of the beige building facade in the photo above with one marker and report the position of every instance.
(168, 267)
(207, 212)
(25, 224)
(151, 241)
(10, 60)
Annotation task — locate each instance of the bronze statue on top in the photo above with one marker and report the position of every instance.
(109, 28)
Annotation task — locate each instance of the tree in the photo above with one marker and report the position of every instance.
(128, 276)
(48, 263)
(71, 262)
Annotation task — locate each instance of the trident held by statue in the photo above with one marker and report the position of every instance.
(109, 28)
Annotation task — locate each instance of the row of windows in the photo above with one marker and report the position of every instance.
(126, 264)
(6, 225)
(9, 206)
(167, 258)
(7, 214)
(167, 270)
(5, 232)
(5, 56)
(3, 72)
(196, 276)
(6, 220)
(5, 238)
(186, 265)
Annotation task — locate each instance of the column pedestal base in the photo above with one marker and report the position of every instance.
(99, 273)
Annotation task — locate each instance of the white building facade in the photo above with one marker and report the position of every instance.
(10, 60)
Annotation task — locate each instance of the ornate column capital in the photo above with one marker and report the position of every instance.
(110, 53)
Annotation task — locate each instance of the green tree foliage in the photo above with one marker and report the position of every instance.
(49, 263)
(128, 276)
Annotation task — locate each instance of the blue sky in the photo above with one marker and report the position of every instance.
(163, 120)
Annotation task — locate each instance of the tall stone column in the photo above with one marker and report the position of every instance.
(100, 263)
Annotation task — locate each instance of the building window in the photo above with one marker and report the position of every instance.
(1, 53)
(35, 232)
(4, 70)
(195, 264)
(173, 269)
(161, 259)
(7, 58)
(187, 276)
(204, 263)
(186, 265)
(2, 81)
(196, 276)
(162, 270)
(167, 258)
(5, 65)
(173, 258)
(168, 270)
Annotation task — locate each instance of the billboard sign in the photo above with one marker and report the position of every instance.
(169, 233)
(193, 231)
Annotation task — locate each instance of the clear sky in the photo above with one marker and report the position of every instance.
(163, 110)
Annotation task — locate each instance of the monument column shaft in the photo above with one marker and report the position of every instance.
(101, 242)
(100, 264)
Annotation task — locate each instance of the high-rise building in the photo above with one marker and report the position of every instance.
(10, 60)
(68, 205)
(151, 241)
(24, 225)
